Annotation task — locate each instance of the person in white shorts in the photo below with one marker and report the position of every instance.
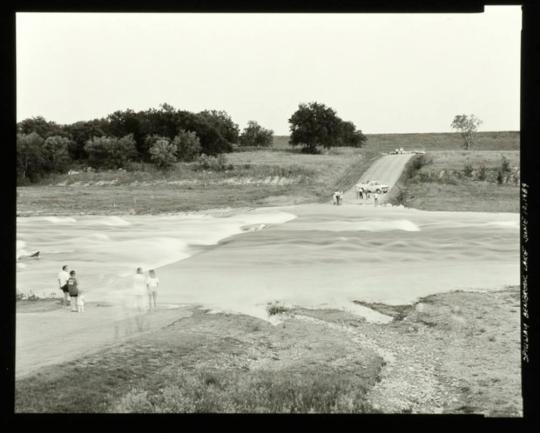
(62, 277)
(80, 302)
(139, 290)
(152, 284)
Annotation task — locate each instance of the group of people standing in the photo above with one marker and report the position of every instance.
(145, 290)
(363, 193)
(337, 198)
(73, 295)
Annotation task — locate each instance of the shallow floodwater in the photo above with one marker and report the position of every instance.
(308, 255)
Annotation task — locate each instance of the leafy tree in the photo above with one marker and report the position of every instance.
(30, 162)
(349, 136)
(467, 127)
(313, 125)
(81, 132)
(110, 152)
(40, 126)
(122, 123)
(163, 153)
(188, 145)
(256, 135)
(222, 123)
(56, 153)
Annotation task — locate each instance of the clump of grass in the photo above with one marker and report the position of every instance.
(505, 165)
(276, 308)
(468, 169)
(482, 172)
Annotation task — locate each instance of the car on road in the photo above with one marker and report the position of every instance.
(374, 186)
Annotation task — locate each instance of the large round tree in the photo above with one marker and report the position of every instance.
(314, 125)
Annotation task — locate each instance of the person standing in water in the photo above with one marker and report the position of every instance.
(62, 277)
(73, 288)
(376, 199)
(139, 290)
(152, 284)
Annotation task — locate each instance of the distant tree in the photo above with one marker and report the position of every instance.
(223, 123)
(349, 136)
(256, 135)
(467, 127)
(188, 145)
(314, 125)
(122, 123)
(110, 152)
(167, 121)
(55, 152)
(212, 142)
(30, 161)
(163, 153)
(40, 126)
(81, 132)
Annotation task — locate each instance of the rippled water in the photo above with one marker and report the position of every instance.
(326, 256)
(106, 250)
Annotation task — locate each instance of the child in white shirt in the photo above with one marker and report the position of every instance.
(80, 302)
(152, 284)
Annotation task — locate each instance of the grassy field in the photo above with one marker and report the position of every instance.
(463, 181)
(279, 175)
(251, 178)
(496, 140)
(460, 351)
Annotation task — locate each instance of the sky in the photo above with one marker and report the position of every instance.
(387, 73)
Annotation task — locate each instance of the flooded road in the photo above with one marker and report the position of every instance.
(308, 255)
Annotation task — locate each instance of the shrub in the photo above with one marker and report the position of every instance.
(276, 308)
(482, 173)
(468, 169)
(163, 153)
(188, 145)
(216, 163)
(500, 177)
(256, 135)
(56, 153)
(110, 152)
(505, 165)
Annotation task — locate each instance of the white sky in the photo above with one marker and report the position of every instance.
(384, 72)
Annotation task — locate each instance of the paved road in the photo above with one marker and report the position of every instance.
(386, 169)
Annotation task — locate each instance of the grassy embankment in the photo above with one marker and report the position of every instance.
(279, 175)
(442, 181)
(251, 178)
(460, 181)
(460, 352)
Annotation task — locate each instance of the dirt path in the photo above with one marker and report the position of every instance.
(386, 169)
(57, 335)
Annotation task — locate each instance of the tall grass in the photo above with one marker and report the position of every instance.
(220, 391)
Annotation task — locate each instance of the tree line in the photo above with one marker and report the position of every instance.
(164, 136)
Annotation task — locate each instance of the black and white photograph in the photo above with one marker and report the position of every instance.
(280, 213)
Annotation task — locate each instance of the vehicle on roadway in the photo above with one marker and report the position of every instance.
(373, 186)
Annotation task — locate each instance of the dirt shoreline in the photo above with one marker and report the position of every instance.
(454, 352)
